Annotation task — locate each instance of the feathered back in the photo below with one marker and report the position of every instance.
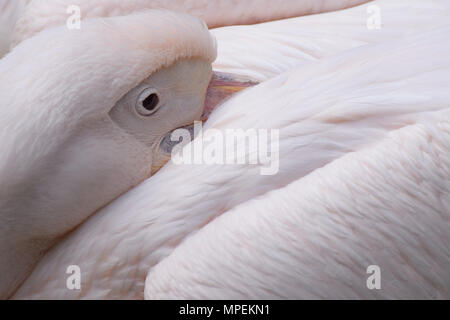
(43, 14)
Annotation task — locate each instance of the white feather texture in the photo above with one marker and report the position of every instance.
(10, 11)
(387, 205)
(41, 14)
(383, 203)
(266, 50)
(325, 110)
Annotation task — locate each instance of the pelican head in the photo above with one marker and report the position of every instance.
(82, 116)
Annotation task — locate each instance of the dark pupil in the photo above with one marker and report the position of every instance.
(151, 102)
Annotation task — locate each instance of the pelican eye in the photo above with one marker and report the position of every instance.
(148, 102)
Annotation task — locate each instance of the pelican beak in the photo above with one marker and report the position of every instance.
(222, 86)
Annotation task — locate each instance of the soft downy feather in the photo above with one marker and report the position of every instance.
(324, 110)
(385, 206)
(43, 14)
(10, 11)
(384, 203)
(266, 50)
(269, 49)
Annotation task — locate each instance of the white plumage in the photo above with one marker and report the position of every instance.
(266, 50)
(70, 142)
(10, 11)
(363, 179)
(40, 15)
(386, 205)
(384, 201)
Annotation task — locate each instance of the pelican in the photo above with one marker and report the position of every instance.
(26, 255)
(84, 120)
(122, 250)
(327, 111)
